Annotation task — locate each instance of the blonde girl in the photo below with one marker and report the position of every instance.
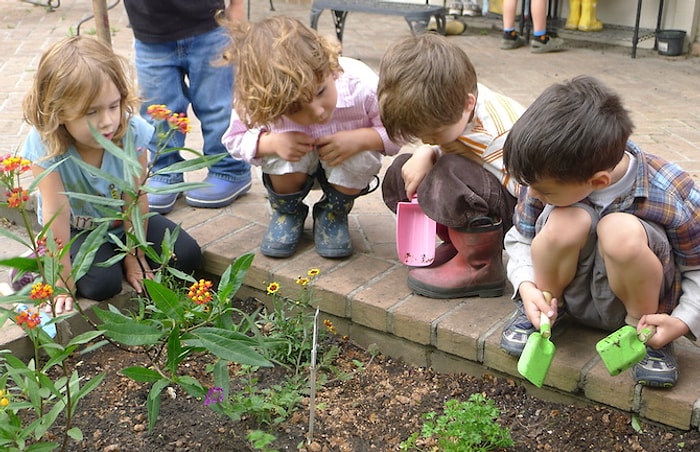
(81, 82)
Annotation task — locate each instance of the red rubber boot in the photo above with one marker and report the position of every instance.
(476, 270)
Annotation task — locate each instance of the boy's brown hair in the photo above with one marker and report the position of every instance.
(571, 131)
(424, 81)
(279, 65)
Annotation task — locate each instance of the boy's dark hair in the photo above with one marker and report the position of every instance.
(424, 82)
(571, 131)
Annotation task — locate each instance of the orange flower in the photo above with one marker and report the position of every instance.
(12, 163)
(17, 197)
(41, 291)
(329, 326)
(30, 319)
(180, 122)
(199, 292)
(158, 112)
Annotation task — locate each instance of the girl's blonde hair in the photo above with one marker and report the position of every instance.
(70, 76)
(280, 64)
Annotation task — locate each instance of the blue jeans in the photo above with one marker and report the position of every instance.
(180, 73)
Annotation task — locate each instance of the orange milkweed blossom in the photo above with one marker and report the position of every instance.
(31, 319)
(14, 163)
(158, 112)
(200, 292)
(41, 291)
(17, 197)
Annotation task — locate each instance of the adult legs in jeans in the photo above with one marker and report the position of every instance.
(101, 283)
(180, 73)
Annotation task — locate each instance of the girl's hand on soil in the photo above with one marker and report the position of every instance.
(62, 302)
(534, 302)
(136, 269)
(667, 328)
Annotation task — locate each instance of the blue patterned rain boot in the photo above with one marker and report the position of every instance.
(287, 222)
(331, 234)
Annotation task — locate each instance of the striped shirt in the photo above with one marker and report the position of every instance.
(357, 107)
(494, 116)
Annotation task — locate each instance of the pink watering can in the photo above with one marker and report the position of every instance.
(415, 235)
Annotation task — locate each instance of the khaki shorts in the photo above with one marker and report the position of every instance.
(589, 299)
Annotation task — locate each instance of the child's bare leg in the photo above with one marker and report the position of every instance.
(557, 247)
(634, 272)
(288, 183)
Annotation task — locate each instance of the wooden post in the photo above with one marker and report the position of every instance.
(99, 8)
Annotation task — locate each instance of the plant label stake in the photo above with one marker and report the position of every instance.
(624, 348)
(539, 351)
(415, 234)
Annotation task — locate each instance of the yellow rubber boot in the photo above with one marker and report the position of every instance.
(588, 20)
(574, 15)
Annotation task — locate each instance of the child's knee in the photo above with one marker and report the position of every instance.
(622, 236)
(567, 227)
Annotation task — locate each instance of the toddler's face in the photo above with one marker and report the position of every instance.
(104, 114)
(320, 109)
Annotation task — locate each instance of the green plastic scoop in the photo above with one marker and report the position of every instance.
(538, 354)
(623, 348)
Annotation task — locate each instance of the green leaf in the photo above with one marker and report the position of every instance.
(141, 374)
(166, 300)
(232, 279)
(86, 254)
(228, 345)
(84, 338)
(153, 401)
(174, 351)
(75, 433)
(127, 330)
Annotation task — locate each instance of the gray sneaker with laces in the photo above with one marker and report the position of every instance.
(658, 369)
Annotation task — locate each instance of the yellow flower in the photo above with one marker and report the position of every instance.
(313, 272)
(303, 281)
(4, 402)
(272, 288)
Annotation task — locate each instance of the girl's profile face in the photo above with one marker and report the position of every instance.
(320, 109)
(104, 114)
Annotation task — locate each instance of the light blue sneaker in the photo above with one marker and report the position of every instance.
(219, 193)
(161, 202)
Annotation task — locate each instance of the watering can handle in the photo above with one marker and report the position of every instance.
(647, 333)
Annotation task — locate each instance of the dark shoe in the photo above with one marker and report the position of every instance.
(546, 44)
(161, 202)
(220, 193)
(516, 331)
(658, 369)
(511, 41)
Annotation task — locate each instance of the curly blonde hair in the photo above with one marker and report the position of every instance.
(70, 76)
(279, 65)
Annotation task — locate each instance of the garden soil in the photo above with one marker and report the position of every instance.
(378, 407)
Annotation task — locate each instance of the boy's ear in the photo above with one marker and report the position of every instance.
(600, 180)
(470, 104)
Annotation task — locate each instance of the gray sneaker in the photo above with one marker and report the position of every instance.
(510, 43)
(658, 369)
(553, 44)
